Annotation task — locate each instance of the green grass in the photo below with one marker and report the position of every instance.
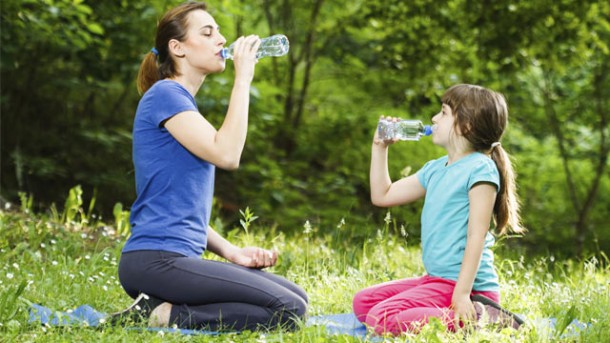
(63, 261)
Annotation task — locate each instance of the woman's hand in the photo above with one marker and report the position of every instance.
(463, 310)
(244, 57)
(254, 257)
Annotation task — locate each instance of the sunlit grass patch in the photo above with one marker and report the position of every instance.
(63, 264)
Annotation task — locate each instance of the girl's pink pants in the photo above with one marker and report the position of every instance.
(405, 305)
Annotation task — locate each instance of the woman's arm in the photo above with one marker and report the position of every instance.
(222, 148)
(482, 197)
(251, 257)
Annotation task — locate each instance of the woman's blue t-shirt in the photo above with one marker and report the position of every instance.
(174, 188)
(444, 219)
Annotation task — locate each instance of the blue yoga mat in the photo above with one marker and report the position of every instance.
(341, 324)
(86, 315)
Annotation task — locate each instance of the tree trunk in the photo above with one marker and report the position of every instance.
(581, 208)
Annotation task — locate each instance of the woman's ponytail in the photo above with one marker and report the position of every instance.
(148, 73)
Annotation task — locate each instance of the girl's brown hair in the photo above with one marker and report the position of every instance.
(481, 117)
(161, 65)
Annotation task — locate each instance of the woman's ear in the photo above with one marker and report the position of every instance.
(175, 48)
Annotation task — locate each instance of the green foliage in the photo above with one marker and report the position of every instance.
(68, 100)
(9, 304)
(121, 220)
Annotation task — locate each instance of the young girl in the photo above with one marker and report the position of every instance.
(175, 153)
(464, 192)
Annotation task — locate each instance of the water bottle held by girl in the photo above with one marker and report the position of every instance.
(403, 129)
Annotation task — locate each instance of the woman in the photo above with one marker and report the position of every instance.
(175, 153)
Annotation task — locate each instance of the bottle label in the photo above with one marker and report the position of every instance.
(405, 130)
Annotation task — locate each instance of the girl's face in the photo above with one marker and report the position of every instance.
(203, 43)
(443, 127)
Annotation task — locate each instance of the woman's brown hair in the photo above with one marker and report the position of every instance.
(159, 64)
(481, 117)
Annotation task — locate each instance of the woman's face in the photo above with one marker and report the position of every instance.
(203, 43)
(443, 126)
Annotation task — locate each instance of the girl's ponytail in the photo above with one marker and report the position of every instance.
(506, 208)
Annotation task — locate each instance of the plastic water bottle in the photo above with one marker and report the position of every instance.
(276, 45)
(403, 129)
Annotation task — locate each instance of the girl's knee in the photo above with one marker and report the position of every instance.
(360, 306)
(381, 322)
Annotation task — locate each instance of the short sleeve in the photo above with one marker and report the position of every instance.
(169, 98)
(485, 171)
(425, 173)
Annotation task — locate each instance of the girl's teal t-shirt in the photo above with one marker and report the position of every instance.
(444, 219)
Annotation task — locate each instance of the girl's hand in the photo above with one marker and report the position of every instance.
(254, 257)
(244, 57)
(463, 310)
(383, 142)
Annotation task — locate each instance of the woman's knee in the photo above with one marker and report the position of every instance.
(299, 307)
(292, 315)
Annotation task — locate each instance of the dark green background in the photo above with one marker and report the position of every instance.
(68, 97)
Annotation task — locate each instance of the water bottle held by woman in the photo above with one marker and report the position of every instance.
(403, 129)
(276, 45)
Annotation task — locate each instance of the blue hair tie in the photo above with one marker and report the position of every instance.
(154, 51)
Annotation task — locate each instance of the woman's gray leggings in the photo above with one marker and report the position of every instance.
(213, 295)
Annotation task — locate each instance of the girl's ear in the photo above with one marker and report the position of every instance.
(175, 48)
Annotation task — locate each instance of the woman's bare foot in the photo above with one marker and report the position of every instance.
(159, 316)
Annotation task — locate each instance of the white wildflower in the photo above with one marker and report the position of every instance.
(341, 223)
(307, 227)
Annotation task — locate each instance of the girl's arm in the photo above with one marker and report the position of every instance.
(384, 193)
(251, 257)
(222, 148)
(482, 197)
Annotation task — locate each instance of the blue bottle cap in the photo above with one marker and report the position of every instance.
(427, 130)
